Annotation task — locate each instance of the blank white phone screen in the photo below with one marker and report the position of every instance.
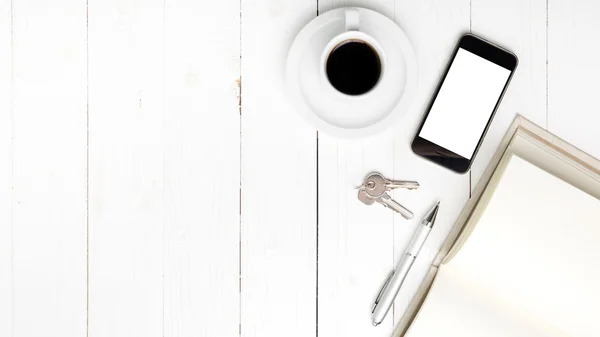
(464, 103)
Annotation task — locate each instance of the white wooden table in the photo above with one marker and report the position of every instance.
(154, 180)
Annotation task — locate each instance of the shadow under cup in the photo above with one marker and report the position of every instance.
(353, 67)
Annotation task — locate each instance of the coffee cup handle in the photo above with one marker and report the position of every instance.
(352, 19)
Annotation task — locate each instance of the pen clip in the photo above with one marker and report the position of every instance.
(381, 291)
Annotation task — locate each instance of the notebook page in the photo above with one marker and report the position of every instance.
(456, 307)
(537, 246)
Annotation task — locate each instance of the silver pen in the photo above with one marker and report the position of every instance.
(390, 288)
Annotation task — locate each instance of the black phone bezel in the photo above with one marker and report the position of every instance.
(439, 154)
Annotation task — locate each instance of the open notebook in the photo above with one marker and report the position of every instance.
(524, 261)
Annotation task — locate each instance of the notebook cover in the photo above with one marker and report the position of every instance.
(526, 128)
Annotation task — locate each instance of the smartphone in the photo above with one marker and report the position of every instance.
(464, 103)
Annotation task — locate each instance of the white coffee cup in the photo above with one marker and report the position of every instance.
(352, 33)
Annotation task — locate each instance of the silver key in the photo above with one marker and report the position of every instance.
(377, 179)
(387, 201)
(375, 188)
(364, 197)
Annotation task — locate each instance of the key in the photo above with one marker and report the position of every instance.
(364, 197)
(387, 201)
(378, 180)
(375, 189)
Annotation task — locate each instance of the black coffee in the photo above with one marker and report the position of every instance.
(353, 67)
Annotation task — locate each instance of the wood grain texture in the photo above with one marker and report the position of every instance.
(278, 219)
(6, 287)
(201, 169)
(125, 168)
(526, 37)
(49, 167)
(355, 240)
(434, 28)
(175, 247)
(573, 72)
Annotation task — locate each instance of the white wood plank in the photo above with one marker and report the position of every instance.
(278, 276)
(385, 7)
(526, 37)
(5, 171)
(126, 168)
(202, 168)
(49, 168)
(573, 72)
(434, 28)
(356, 242)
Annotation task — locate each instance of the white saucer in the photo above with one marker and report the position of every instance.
(351, 116)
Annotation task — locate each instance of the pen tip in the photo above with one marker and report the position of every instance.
(432, 214)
